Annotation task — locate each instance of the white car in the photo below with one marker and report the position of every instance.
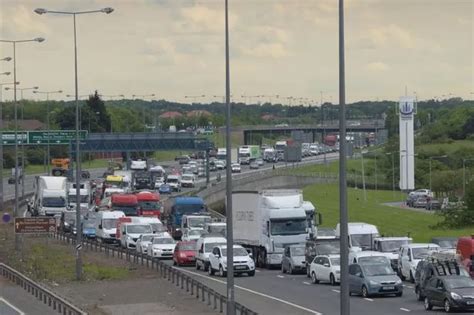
(161, 247)
(158, 183)
(410, 255)
(188, 180)
(235, 168)
(243, 263)
(260, 162)
(192, 234)
(143, 241)
(326, 268)
(220, 165)
(421, 192)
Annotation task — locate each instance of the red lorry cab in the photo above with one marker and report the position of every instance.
(149, 204)
(128, 203)
(465, 248)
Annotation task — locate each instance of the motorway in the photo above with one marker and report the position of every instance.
(14, 300)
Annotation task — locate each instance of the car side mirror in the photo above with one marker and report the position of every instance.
(100, 226)
(326, 265)
(124, 233)
(250, 255)
(409, 259)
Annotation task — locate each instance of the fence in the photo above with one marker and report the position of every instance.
(177, 277)
(54, 301)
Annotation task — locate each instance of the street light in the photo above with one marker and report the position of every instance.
(435, 157)
(393, 170)
(464, 175)
(78, 155)
(14, 42)
(6, 59)
(48, 161)
(5, 73)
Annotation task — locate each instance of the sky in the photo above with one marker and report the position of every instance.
(278, 48)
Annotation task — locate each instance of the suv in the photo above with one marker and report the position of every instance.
(243, 263)
(315, 247)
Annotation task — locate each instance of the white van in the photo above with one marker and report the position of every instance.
(361, 235)
(106, 225)
(410, 255)
(204, 247)
(130, 232)
(174, 181)
(155, 223)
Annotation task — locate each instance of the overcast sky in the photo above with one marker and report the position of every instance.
(175, 48)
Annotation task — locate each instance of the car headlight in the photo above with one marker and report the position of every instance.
(371, 282)
(456, 296)
(398, 282)
(66, 224)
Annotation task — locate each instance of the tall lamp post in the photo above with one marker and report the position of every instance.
(435, 157)
(464, 175)
(23, 153)
(47, 93)
(14, 42)
(393, 171)
(78, 153)
(80, 108)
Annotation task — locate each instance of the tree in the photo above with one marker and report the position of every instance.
(96, 114)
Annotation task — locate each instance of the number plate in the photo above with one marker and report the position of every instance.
(388, 288)
(470, 302)
(239, 267)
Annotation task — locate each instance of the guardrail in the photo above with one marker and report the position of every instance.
(54, 301)
(177, 277)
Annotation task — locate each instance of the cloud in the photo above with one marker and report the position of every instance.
(22, 20)
(264, 50)
(377, 66)
(391, 34)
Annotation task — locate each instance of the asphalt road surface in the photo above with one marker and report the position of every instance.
(14, 300)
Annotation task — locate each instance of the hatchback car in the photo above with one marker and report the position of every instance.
(450, 292)
(254, 166)
(143, 242)
(185, 253)
(293, 259)
(165, 189)
(374, 279)
(326, 268)
(260, 162)
(235, 168)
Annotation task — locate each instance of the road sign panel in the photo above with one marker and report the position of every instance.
(35, 225)
(54, 136)
(8, 137)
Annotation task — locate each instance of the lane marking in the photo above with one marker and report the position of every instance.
(337, 291)
(280, 276)
(405, 309)
(409, 286)
(255, 292)
(367, 299)
(306, 282)
(256, 270)
(13, 307)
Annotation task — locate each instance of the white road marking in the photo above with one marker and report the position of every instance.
(256, 292)
(337, 291)
(404, 309)
(256, 270)
(306, 282)
(280, 276)
(367, 299)
(409, 286)
(13, 307)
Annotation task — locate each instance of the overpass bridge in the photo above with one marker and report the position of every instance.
(353, 126)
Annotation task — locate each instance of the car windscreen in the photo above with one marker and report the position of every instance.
(459, 282)
(362, 240)
(147, 238)
(237, 252)
(374, 259)
(288, 227)
(149, 205)
(109, 223)
(189, 208)
(447, 243)
(54, 202)
(328, 248)
(83, 198)
(187, 246)
(139, 229)
(392, 246)
(377, 270)
(421, 252)
(158, 227)
(88, 223)
(163, 240)
(326, 232)
(297, 251)
(335, 261)
(209, 246)
(199, 221)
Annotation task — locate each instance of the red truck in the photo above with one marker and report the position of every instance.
(465, 248)
(128, 203)
(149, 204)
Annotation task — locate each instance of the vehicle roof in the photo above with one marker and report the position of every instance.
(114, 178)
(147, 195)
(225, 246)
(421, 245)
(188, 200)
(208, 238)
(329, 256)
(111, 214)
(367, 253)
(124, 198)
(444, 238)
(393, 238)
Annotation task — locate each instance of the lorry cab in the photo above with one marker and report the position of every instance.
(50, 195)
(112, 184)
(127, 203)
(182, 206)
(85, 191)
(106, 225)
(361, 235)
(149, 204)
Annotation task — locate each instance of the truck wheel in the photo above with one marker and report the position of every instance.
(210, 271)
(412, 279)
(206, 266)
(198, 267)
(252, 273)
(222, 273)
(308, 271)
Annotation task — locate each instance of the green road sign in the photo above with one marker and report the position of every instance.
(8, 137)
(55, 136)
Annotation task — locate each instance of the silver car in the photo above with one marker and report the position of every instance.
(374, 279)
(293, 259)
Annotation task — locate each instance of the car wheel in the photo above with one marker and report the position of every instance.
(365, 292)
(314, 278)
(222, 273)
(447, 306)
(399, 294)
(206, 266)
(428, 305)
(210, 271)
(412, 279)
(252, 273)
(290, 270)
(198, 267)
(332, 279)
(308, 271)
(400, 274)
(283, 268)
(419, 296)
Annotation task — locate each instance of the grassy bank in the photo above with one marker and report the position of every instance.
(390, 220)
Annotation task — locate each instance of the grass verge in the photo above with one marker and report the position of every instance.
(391, 221)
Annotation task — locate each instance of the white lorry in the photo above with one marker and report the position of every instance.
(361, 235)
(85, 196)
(265, 222)
(50, 196)
(270, 155)
(138, 165)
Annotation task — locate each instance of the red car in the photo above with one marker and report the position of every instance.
(185, 253)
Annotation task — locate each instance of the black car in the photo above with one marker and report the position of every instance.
(445, 242)
(454, 292)
(68, 222)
